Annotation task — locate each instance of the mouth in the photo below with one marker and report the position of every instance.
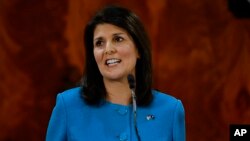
(113, 61)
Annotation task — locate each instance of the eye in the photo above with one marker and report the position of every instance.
(118, 38)
(98, 43)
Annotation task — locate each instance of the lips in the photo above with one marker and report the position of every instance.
(112, 61)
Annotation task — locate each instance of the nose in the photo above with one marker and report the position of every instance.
(110, 49)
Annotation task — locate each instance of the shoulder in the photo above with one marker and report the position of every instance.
(71, 96)
(160, 97)
(71, 93)
(165, 102)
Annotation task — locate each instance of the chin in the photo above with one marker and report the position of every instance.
(114, 76)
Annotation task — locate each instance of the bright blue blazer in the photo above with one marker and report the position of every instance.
(73, 120)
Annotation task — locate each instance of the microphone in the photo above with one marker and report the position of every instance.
(131, 81)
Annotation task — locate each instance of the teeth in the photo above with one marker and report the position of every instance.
(112, 61)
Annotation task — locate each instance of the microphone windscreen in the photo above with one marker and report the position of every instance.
(131, 81)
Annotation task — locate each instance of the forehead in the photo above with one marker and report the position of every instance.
(106, 29)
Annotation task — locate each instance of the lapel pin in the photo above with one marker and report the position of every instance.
(150, 117)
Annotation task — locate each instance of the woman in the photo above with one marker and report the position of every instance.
(103, 108)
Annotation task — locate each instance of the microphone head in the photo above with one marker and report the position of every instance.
(131, 81)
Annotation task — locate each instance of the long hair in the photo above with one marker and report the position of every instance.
(93, 89)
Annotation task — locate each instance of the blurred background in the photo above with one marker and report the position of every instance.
(201, 55)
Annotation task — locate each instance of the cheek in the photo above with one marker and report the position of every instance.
(131, 56)
(97, 55)
(130, 52)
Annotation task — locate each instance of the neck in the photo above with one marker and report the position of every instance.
(118, 92)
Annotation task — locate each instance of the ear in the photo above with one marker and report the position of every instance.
(138, 56)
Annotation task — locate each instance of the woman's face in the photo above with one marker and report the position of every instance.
(114, 51)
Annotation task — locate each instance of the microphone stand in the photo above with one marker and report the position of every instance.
(131, 81)
(134, 111)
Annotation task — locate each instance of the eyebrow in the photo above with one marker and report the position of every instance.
(98, 38)
(115, 34)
